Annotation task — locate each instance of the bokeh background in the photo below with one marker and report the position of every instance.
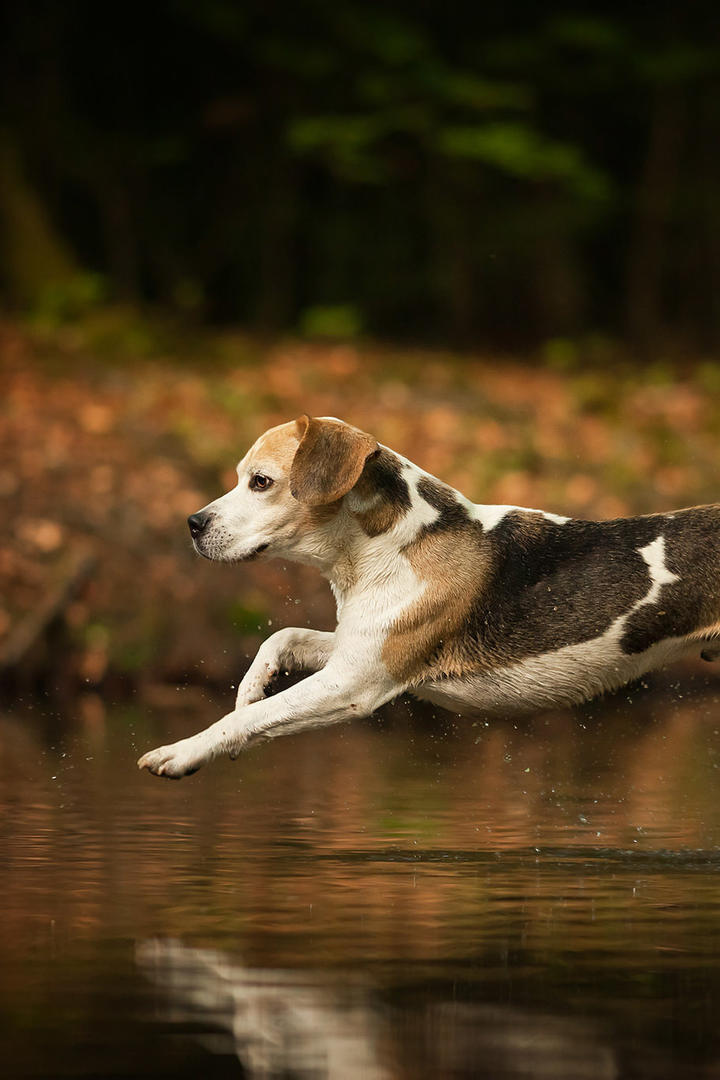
(489, 234)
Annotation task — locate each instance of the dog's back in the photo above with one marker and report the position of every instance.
(569, 609)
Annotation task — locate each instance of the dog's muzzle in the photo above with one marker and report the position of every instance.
(212, 544)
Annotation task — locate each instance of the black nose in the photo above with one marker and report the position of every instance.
(198, 523)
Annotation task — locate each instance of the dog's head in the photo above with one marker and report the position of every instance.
(290, 484)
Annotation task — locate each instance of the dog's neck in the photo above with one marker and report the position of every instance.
(355, 544)
(335, 548)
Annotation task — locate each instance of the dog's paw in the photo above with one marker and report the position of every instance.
(175, 761)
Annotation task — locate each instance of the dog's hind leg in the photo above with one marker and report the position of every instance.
(289, 650)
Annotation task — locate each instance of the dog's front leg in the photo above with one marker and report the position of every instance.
(339, 692)
(289, 650)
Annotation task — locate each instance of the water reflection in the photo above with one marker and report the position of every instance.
(296, 1023)
(280, 1022)
(406, 898)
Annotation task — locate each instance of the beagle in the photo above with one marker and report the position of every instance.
(476, 608)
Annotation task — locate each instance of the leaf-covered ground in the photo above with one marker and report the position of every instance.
(110, 438)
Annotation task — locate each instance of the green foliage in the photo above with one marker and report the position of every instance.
(331, 321)
(68, 299)
(244, 619)
(560, 354)
(521, 152)
(345, 141)
(116, 332)
(591, 34)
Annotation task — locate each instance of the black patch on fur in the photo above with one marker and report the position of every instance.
(692, 551)
(553, 585)
(384, 473)
(452, 515)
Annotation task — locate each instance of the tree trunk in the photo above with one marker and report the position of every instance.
(33, 257)
(558, 284)
(120, 237)
(456, 281)
(710, 213)
(645, 278)
(276, 290)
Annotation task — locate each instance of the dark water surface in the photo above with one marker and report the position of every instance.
(402, 898)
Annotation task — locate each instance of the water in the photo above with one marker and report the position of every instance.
(398, 898)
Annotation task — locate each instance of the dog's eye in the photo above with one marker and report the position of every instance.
(258, 482)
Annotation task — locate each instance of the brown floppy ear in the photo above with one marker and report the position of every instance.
(329, 460)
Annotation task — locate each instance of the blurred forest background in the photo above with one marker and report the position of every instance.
(464, 173)
(489, 234)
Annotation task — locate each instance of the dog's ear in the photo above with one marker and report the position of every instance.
(329, 460)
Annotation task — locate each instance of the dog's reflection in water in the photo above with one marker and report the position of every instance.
(282, 1022)
(324, 1027)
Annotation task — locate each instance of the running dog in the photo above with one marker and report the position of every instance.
(477, 608)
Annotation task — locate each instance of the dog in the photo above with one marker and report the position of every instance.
(476, 608)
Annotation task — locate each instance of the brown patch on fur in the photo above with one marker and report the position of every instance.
(379, 518)
(427, 641)
(329, 460)
(314, 516)
(279, 443)
(382, 481)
